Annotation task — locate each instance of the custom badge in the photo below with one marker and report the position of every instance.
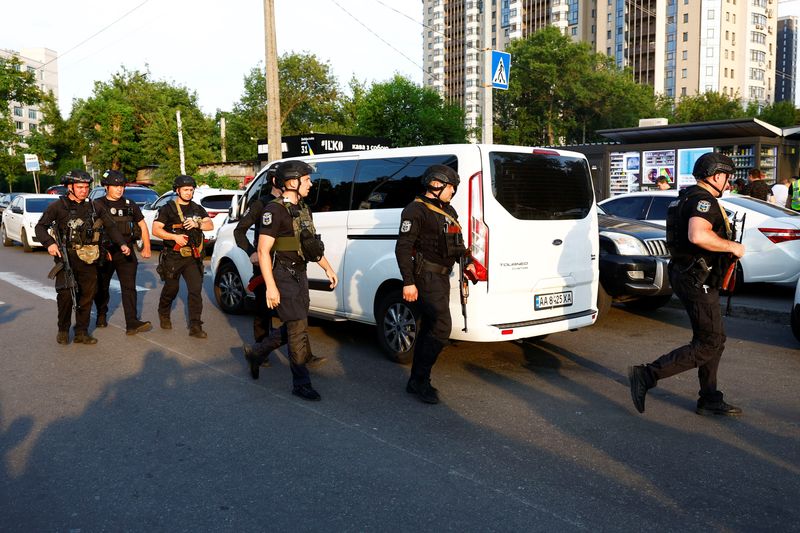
(266, 219)
(405, 227)
(703, 206)
(113, 210)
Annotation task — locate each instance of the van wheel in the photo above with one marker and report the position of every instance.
(603, 302)
(397, 323)
(26, 246)
(649, 303)
(6, 240)
(796, 321)
(229, 290)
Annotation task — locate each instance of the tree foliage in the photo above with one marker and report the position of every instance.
(408, 115)
(708, 106)
(16, 85)
(561, 92)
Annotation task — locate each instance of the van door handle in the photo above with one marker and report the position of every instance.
(558, 242)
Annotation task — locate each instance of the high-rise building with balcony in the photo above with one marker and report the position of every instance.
(43, 63)
(786, 60)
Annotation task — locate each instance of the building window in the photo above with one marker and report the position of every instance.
(686, 18)
(685, 36)
(17, 111)
(709, 71)
(685, 55)
(18, 124)
(683, 91)
(684, 73)
(711, 14)
(709, 52)
(32, 114)
(758, 38)
(726, 72)
(710, 33)
(32, 127)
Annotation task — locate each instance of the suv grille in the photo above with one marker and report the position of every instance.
(657, 247)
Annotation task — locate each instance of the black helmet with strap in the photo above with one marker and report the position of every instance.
(113, 178)
(443, 174)
(183, 181)
(75, 176)
(291, 170)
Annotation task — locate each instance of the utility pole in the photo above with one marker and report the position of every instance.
(488, 119)
(222, 138)
(273, 94)
(180, 141)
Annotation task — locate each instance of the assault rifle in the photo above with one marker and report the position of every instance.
(69, 274)
(729, 280)
(464, 276)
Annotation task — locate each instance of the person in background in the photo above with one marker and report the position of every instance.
(662, 183)
(780, 192)
(793, 198)
(758, 187)
(740, 187)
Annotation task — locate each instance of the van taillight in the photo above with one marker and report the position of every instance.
(478, 232)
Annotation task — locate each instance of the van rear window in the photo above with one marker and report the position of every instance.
(541, 186)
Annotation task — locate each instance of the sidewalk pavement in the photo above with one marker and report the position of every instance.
(757, 301)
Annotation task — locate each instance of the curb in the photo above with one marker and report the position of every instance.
(746, 311)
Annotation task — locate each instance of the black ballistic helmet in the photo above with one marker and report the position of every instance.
(712, 163)
(271, 173)
(183, 181)
(441, 173)
(112, 177)
(76, 176)
(291, 170)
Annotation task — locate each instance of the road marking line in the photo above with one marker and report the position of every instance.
(114, 285)
(29, 285)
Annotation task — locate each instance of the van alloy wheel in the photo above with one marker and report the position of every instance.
(229, 290)
(397, 324)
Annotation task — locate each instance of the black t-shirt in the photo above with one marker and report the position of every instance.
(251, 217)
(168, 215)
(124, 212)
(277, 222)
(703, 204)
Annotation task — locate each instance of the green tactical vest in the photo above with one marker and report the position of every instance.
(796, 196)
(299, 223)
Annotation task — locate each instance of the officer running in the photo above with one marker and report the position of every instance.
(180, 224)
(429, 244)
(287, 242)
(702, 245)
(75, 249)
(130, 222)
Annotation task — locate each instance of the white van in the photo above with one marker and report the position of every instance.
(530, 221)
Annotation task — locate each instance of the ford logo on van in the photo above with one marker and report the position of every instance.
(558, 242)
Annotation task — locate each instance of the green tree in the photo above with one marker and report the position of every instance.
(561, 91)
(409, 115)
(709, 105)
(309, 98)
(16, 85)
(781, 114)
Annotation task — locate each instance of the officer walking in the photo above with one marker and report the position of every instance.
(287, 242)
(429, 244)
(701, 242)
(130, 222)
(75, 249)
(180, 224)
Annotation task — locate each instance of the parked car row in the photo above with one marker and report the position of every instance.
(20, 218)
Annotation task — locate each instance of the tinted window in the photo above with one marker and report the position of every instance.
(140, 195)
(630, 207)
(658, 208)
(219, 202)
(541, 186)
(38, 205)
(255, 189)
(393, 182)
(164, 200)
(770, 210)
(333, 181)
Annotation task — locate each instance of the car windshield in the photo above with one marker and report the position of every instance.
(38, 205)
(141, 195)
(764, 208)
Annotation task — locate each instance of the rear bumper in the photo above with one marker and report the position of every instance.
(520, 330)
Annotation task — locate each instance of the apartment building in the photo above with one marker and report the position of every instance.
(679, 47)
(43, 64)
(786, 60)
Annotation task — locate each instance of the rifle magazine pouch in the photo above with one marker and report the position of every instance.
(88, 253)
(311, 245)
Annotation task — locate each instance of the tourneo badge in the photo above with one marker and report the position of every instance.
(405, 227)
(266, 219)
(703, 206)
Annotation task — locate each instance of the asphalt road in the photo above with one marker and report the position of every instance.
(161, 431)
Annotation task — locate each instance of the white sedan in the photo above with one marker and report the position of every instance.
(20, 218)
(771, 233)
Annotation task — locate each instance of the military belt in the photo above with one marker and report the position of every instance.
(436, 268)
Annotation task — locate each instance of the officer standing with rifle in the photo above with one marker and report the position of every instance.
(75, 249)
(287, 242)
(429, 244)
(180, 224)
(129, 220)
(701, 243)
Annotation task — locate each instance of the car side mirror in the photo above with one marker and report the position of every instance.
(17, 210)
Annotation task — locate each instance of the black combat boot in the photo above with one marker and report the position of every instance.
(138, 327)
(197, 331)
(166, 323)
(62, 337)
(423, 389)
(101, 321)
(82, 337)
(721, 407)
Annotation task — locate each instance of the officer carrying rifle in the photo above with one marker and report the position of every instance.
(429, 244)
(700, 239)
(75, 249)
(180, 224)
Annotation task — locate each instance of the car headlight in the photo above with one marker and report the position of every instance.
(626, 244)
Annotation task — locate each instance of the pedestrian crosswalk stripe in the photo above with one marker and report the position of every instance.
(47, 292)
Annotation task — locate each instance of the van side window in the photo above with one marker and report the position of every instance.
(393, 183)
(255, 189)
(333, 181)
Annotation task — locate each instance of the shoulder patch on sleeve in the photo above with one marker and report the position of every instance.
(703, 206)
(405, 227)
(266, 219)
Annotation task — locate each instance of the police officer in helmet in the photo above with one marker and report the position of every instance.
(130, 222)
(702, 246)
(287, 241)
(75, 249)
(180, 224)
(429, 244)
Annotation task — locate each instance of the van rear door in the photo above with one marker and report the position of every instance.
(540, 215)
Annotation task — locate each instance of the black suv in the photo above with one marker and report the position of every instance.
(633, 264)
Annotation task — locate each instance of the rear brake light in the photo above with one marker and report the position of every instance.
(478, 233)
(779, 235)
(542, 151)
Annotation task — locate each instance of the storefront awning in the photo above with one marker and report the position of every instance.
(717, 129)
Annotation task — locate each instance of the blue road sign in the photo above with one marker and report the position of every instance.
(501, 69)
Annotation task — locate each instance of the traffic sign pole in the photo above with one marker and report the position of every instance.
(488, 118)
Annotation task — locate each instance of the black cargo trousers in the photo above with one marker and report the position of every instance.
(86, 281)
(708, 336)
(433, 302)
(191, 270)
(125, 266)
(292, 283)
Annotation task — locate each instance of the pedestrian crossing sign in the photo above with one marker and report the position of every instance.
(501, 68)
